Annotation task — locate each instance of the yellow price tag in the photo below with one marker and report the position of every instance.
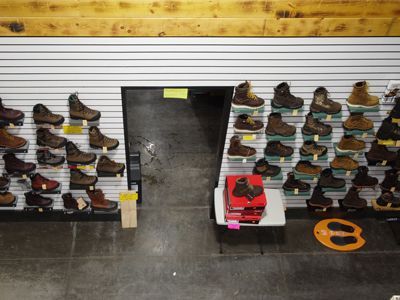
(296, 191)
(394, 120)
(282, 159)
(315, 157)
(68, 129)
(84, 122)
(316, 138)
(255, 113)
(364, 135)
(295, 112)
(328, 117)
(176, 93)
(128, 196)
(250, 137)
(397, 143)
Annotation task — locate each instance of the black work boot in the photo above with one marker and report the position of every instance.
(390, 181)
(318, 199)
(264, 169)
(387, 199)
(243, 188)
(388, 130)
(283, 98)
(378, 153)
(363, 180)
(395, 112)
(327, 180)
(291, 184)
(353, 200)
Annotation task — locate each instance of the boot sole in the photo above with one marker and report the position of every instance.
(47, 123)
(364, 186)
(77, 163)
(247, 131)
(274, 105)
(320, 205)
(273, 133)
(109, 174)
(81, 119)
(352, 151)
(305, 132)
(104, 209)
(306, 174)
(62, 145)
(325, 112)
(241, 157)
(248, 107)
(292, 190)
(2, 146)
(108, 148)
(51, 164)
(361, 106)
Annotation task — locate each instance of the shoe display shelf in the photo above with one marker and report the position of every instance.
(278, 158)
(249, 136)
(4, 123)
(280, 137)
(333, 190)
(106, 174)
(276, 177)
(284, 110)
(97, 211)
(12, 204)
(327, 117)
(54, 150)
(317, 209)
(48, 126)
(86, 211)
(303, 176)
(314, 157)
(249, 111)
(73, 122)
(360, 133)
(344, 172)
(48, 167)
(23, 149)
(296, 192)
(317, 137)
(351, 154)
(242, 160)
(39, 209)
(353, 109)
(380, 208)
(89, 167)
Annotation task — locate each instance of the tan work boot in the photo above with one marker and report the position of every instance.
(360, 98)
(99, 140)
(79, 111)
(43, 115)
(10, 141)
(349, 143)
(106, 166)
(6, 198)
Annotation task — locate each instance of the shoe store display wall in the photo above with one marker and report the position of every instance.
(49, 70)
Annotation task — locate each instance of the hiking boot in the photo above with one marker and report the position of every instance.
(396, 163)
(327, 180)
(10, 115)
(245, 98)
(276, 148)
(283, 98)
(39, 182)
(291, 184)
(388, 130)
(14, 165)
(353, 200)
(45, 138)
(75, 204)
(237, 150)
(245, 124)
(318, 199)
(6, 198)
(10, 141)
(344, 162)
(390, 181)
(311, 148)
(378, 153)
(276, 126)
(78, 157)
(33, 199)
(307, 168)
(243, 188)
(264, 169)
(106, 166)
(321, 103)
(45, 157)
(99, 140)
(4, 182)
(43, 115)
(395, 112)
(360, 98)
(99, 202)
(79, 111)
(363, 180)
(78, 178)
(313, 126)
(387, 199)
(349, 143)
(357, 121)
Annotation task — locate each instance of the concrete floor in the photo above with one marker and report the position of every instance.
(174, 253)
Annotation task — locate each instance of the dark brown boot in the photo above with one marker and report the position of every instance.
(99, 202)
(264, 169)
(237, 150)
(245, 98)
(292, 184)
(45, 138)
(388, 200)
(390, 181)
(318, 199)
(245, 124)
(276, 126)
(327, 180)
(74, 204)
(243, 188)
(353, 200)
(322, 104)
(313, 126)
(99, 140)
(78, 157)
(378, 153)
(14, 165)
(33, 199)
(79, 111)
(276, 148)
(78, 178)
(10, 141)
(43, 115)
(363, 180)
(284, 99)
(107, 167)
(10, 115)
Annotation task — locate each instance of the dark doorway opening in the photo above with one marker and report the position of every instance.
(175, 146)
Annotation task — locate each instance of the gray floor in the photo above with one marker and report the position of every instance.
(175, 252)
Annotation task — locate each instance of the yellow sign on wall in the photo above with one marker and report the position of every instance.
(176, 93)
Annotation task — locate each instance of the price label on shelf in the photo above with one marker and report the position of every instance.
(24, 176)
(364, 135)
(255, 113)
(328, 117)
(44, 187)
(348, 173)
(282, 159)
(84, 122)
(397, 143)
(171, 93)
(384, 163)
(315, 179)
(11, 125)
(249, 137)
(68, 129)
(316, 138)
(315, 157)
(244, 161)
(295, 112)
(268, 179)
(105, 149)
(392, 189)
(296, 191)
(81, 203)
(118, 175)
(128, 196)
(355, 155)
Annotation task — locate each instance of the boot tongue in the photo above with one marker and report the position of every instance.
(250, 121)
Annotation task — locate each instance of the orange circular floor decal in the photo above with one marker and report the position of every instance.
(338, 234)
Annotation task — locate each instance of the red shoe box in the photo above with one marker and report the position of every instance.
(242, 203)
(237, 212)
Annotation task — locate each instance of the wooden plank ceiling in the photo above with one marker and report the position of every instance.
(200, 18)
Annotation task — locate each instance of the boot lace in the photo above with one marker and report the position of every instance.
(250, 93)
(250, 121)
(8, 136)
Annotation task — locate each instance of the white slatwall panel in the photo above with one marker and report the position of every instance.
(47, 70)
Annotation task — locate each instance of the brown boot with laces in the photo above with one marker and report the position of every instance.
(99, 201)
(10, 141)
(79, 111)
(99, 140)
(108, 167)
(276, 126)
(245, 98)
(237, 150)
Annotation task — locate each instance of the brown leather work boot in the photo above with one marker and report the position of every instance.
(78, 157)
(276, 148)
(99, 140)
(353, 200)
(14, 165)
(237, 150)
(344, 162)
(378, 153)
(99, 202)
(276, 126)
(79, 111)
(43, 115)
(9, 114)
(45, 138)
(283, 98)
(307, 168)
(363, 180)
(357, 121)
(10, 141)
(106, 166)
(349, 143)
(265, 169)
(387, 199)
(318, 199)
(243, 188)
(245, 124)
(321, 103)
(33, 199)
(291, 184)
(311, 148)
(6, 198)
(4, 182)
(75, 204)
(327, 180)
(77, 177)
(245, 98)
(313, 126)
(360, 98)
